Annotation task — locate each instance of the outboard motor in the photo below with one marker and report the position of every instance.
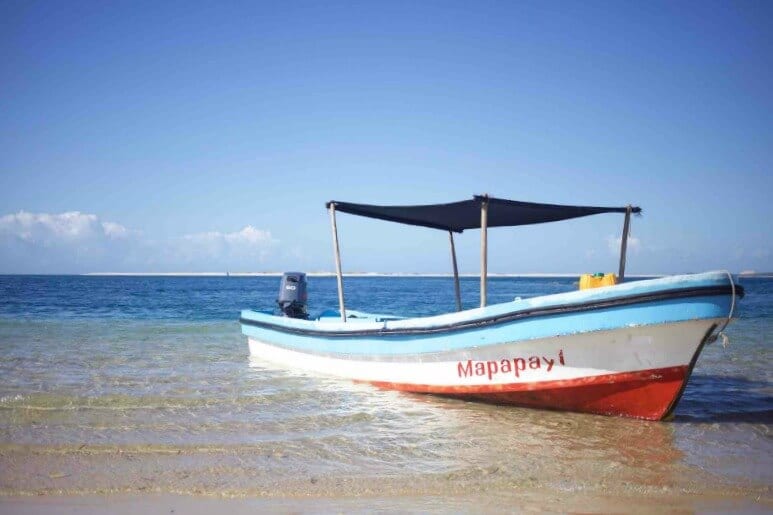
(292, 295)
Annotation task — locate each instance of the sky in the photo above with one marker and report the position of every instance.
(207, 136)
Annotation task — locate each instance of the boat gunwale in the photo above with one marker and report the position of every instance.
(532, 312)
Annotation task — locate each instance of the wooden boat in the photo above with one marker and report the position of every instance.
(626, 349)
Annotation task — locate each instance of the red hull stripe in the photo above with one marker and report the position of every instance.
(644, 394)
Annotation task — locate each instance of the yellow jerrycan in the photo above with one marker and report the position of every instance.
(597, 280)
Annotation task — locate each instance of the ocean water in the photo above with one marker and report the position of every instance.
(137, 384)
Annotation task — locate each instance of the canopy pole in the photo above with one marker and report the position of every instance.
(456, 272)
(624, 243)
(483, 249)
(339, 274)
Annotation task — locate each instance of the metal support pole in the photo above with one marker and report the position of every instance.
(339, 274)
(624, 244)
(483, 250)
(456, 272)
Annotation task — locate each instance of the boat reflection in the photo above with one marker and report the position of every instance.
(436, 438)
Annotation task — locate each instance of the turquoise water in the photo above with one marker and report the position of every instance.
(146, 383)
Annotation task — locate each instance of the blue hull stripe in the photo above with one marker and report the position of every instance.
(482, 322)
(709, 300)
(556, 325)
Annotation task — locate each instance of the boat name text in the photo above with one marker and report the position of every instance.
(515, 366)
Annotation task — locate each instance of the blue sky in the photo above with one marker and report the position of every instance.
(187, 136)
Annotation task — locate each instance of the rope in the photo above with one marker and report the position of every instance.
(721, 332)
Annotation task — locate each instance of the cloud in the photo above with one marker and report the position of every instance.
(48, 229)
(634, 244)
(62, 242)
(81, 242)
(234, 249)
(249, 236)
(114, 230)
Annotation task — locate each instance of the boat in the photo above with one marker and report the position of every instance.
(624, 349)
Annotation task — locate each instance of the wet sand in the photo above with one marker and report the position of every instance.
(521, 500)
(88, 479)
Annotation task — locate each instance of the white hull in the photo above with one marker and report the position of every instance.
(559, 358)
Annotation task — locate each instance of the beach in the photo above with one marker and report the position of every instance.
(531, 500)
(123, 394)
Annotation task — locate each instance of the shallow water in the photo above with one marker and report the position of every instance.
(145, 384)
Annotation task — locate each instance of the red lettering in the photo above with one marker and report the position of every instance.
(519, 364)
(467, 370)
(514, 365)
(492, 368)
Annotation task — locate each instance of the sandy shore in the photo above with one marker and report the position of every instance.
(203, 481)
(537, 500)
(241, 480)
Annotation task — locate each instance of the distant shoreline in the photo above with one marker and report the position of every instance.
(745, 275)
(331, 274)
(761, 275)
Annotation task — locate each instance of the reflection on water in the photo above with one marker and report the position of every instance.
(237, 425)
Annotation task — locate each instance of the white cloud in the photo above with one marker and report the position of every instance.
(61, 242)
(249, 236)
(234, 249)
(48, 229)
(114, 230)
(634, 244)
(81, 242)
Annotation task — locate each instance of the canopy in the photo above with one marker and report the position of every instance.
(458, 216)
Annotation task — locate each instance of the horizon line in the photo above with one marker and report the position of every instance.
(744, 273)
(361, 274)
(345, 274)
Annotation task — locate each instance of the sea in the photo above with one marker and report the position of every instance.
(145, 384)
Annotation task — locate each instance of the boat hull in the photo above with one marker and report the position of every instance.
(623, 350)
(637, 372)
